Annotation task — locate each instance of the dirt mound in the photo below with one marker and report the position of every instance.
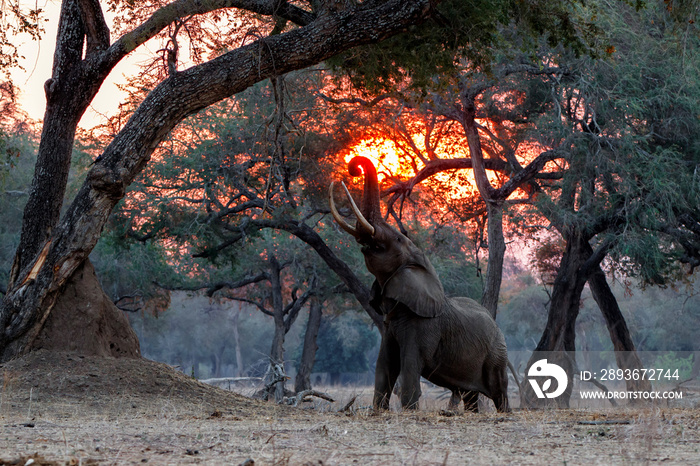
(105, 385)
(84, 320)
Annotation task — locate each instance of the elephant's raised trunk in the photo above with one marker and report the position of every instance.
(370, 212)
(370, 197)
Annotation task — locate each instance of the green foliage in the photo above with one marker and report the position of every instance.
(448, 249)
(15, 182)
(663, 319)
(467, 35)
(671, 361)
(15, 131)
(631, 134)
(128, 268)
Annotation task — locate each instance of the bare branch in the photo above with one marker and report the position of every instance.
(183, 8)
(356, 100)
(257, 304)
(292, 309)
(135, 303)
(301, 397)
(96, 28)
(528, 173)
(213, 288)
(238, 284)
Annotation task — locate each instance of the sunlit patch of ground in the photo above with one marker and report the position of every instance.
(80, 410)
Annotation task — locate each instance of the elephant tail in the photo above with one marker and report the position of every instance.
(515, 374)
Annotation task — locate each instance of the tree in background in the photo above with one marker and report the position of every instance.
(17, 157)
(344, 342)
(15, 20)
(628, 192)
(443, 71)
(205, 337)
(223, 195)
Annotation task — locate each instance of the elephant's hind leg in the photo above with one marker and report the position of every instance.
(498, 387)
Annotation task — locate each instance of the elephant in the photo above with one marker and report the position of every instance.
(451, 342)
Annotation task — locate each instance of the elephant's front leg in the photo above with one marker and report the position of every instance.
(411, 368)
(388, 368)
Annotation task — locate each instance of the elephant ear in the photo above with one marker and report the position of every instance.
(417, 288)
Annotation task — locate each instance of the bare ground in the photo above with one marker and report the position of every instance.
(57, 408)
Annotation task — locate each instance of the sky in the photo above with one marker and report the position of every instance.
(37, 63)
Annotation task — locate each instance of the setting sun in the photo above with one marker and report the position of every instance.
(383, 153)
(392, 163)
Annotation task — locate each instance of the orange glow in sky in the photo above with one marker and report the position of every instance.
(383, 152)
(391, 162)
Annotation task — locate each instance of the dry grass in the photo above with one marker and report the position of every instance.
(70, 410)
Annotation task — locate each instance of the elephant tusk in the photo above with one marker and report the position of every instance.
(343, 224)
(360, 218)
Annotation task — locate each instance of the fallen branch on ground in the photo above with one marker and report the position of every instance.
(348, 405)
(606, 422)
(300, 397)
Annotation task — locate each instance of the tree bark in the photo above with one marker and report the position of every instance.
(237, 342)
(497, 251)
(558, 341)
(50, 252)
(277, 349)
(69, 91)
(625, 352)
(308, 354)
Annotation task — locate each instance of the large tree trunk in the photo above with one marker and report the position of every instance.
(237, 342)
(308, 354)
(50, 253)
(558, 341)
(70, 90)
(277, 349)
(625, 352)
(497, 251)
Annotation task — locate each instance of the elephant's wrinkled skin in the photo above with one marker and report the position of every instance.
(452, 342)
